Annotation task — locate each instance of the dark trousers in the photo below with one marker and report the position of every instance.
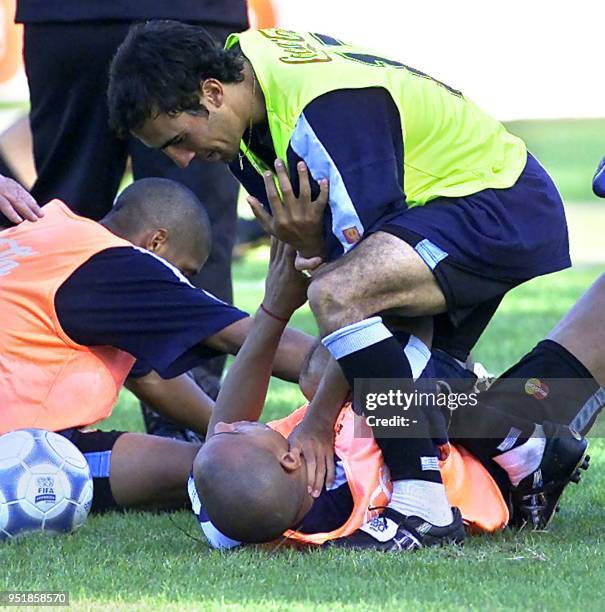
(79, 159)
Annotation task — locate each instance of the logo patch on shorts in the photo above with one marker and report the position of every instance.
(536, 388)
(351, 235)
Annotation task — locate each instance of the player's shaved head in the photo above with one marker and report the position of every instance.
(153, 205)
(245, 490)
(158, 202)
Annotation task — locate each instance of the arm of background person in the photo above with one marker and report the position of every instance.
(289, 356)
(242, 395)
(178, 399)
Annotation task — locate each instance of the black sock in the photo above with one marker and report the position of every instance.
(368, 350)
(547, 384)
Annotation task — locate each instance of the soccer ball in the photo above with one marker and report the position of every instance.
(45, 484)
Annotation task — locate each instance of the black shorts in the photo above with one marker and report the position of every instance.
(96, 446)
(482, 245)
(471, 297)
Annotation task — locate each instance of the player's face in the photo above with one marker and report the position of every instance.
(188, 261)
(184, 136)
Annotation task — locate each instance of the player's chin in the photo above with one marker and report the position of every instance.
(229, 157)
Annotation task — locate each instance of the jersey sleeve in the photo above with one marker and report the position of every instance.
(353, 138)
(135, 301)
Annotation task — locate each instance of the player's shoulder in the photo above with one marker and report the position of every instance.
(131, 263)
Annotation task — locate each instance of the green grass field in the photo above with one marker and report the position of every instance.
(141, 561)
(569, 149)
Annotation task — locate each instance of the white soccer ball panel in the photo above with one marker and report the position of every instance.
(83, 505)
(15, 446)
(67, 451)
(4, 512)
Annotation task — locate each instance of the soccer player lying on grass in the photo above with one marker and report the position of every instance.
(253, 488)
(434, 207)
(526, 441)
(80, 300)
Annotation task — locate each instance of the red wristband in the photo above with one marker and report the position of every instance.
(273, 316)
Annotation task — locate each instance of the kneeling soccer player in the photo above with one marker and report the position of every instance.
(80, 300)
(253, 489)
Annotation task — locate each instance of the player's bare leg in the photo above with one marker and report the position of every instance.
(381, 273)
(151, 472)
(582, 330)
(547, 453)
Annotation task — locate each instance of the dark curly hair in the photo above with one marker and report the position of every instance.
(158, 69)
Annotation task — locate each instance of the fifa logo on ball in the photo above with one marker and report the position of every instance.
(46, 490)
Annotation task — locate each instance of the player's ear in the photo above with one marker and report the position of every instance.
(211, 93)
(290, 461)
(157, 240)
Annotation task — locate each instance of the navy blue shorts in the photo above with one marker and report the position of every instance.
(481, 246)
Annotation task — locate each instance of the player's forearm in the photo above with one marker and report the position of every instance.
(329, 398)
(242, 395)
(178, 399)
(290, 355)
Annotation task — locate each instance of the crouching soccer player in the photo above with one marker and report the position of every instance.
(80, 300)
(248, 486)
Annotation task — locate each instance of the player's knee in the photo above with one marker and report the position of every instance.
(327, 300)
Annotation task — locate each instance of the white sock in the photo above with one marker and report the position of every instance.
(428, 500)
(525, 459)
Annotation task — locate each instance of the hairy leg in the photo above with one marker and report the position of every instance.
(382, 273)
(151, 472)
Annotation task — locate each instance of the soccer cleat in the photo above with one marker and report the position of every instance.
(535, 499)
(157, 425)
(393, 532)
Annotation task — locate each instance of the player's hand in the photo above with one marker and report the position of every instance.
(297, 221)
(16, 204)
(315, 441)
(307, 264)
(598, 182)
(285, 286)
